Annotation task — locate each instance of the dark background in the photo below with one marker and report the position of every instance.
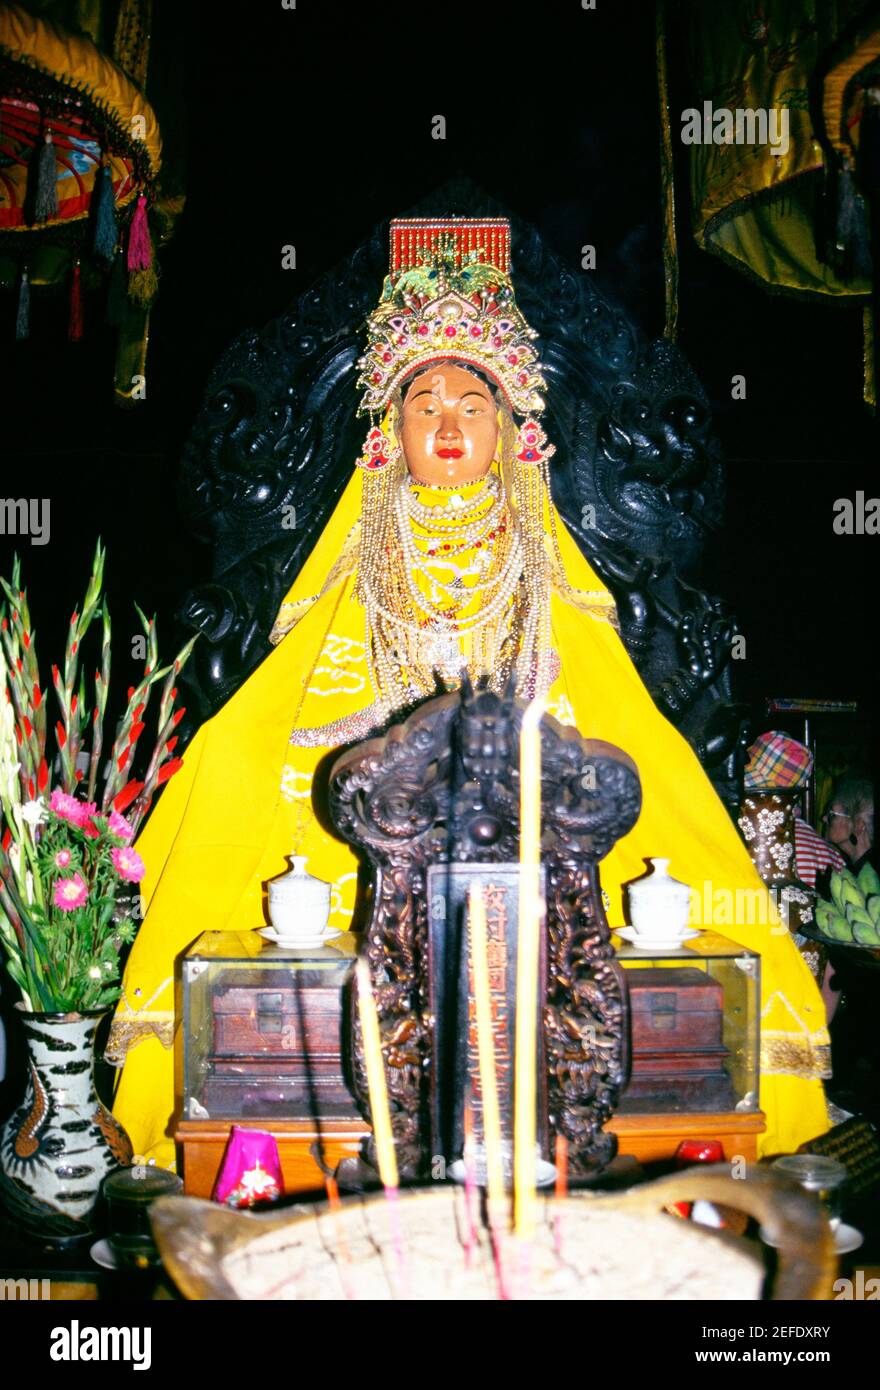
(308, 127)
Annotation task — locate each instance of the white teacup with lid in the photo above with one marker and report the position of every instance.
(299, 907)
(659, 905)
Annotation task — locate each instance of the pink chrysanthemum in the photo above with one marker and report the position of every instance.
(128, 864)
(67, 807)
(119, 826)
(62, 859)
(70, 893)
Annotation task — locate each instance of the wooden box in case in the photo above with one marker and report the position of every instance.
(263, 1030)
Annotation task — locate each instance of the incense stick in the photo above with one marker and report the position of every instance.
(527, 957)
(379, 1109)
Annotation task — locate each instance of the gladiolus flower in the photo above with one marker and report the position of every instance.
(70, 893)
(60, 734)
(168, 770)
(62, 859)
(128, 864)
(38, 697)
(34, 812)
(129, 792)
(42, 775)
(67, 807)
(176, 718)
(119, 826)
(135, 732)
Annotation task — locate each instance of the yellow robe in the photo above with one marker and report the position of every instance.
(241, 804)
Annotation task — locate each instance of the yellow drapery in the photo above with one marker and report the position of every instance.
(240, 805)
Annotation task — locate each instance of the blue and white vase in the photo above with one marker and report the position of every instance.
(60, 1143)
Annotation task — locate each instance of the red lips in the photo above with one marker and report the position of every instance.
(450, 453)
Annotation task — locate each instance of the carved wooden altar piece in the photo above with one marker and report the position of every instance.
(443, 786)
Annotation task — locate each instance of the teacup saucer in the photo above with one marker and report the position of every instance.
(299, 943)
(655, 943)
(846, 1238)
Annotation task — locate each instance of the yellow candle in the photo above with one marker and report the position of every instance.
(528, 946)
(486, 1047)
(375, 1064)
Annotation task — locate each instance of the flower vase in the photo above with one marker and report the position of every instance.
(61, 1141)
(766, 821)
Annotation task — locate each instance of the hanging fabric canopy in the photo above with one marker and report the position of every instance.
(776, 192)
(80, 158)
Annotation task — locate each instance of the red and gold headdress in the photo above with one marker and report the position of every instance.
(449, 294)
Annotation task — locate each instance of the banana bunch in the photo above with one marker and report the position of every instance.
(854, 912)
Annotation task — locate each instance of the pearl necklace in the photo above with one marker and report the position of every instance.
(456, 508)
(418, 563)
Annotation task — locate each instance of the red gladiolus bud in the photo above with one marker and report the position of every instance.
(32, 791)
(168, 770)
(28, 726)
(120, 762)
(139, 709)
(42, 775)
(127, 795)
(73, 648)
(135, 732)
(19, 663)
(130, 692)
(171, 744)
(18, 735)
(174, 695)
(60, 734)
(78, 774)
(95, 717)
(26, 638)
(56, 675)
(74, 618)
(38, 697)
(176, 718)
(73, 705)
(7, 838)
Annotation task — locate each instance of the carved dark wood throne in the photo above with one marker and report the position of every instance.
(637, 476)
(444, 787)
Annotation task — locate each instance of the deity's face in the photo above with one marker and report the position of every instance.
(450, 428)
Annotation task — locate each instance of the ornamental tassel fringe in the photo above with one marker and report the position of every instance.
(140, 247)
(23, 312)
(143, 286)
(106, 230)
(117, 290)
(75, 326)
(46, 196)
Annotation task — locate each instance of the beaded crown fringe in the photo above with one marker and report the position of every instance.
(449, 295)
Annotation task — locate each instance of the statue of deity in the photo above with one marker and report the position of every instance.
(445, 554)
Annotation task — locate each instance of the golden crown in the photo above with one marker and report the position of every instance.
(449, 295)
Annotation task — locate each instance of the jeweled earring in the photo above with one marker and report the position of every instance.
(378, 450)
(531, 444)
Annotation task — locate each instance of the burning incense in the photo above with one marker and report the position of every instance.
(470, 1183)
(561, 1157)
(345, 1255)
(528, 948)
(375, 1064)
(379, 1110)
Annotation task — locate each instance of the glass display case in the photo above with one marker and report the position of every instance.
(263, 1029)
(694, 1027)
